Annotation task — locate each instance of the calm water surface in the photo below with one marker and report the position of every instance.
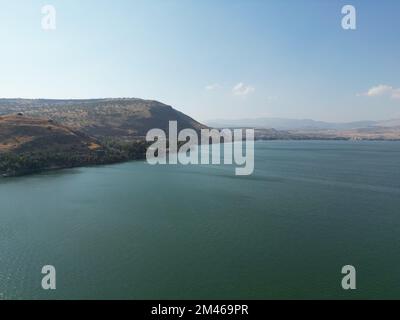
(133, 231)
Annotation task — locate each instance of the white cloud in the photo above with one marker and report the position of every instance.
(380, 90)
(212, 87)
(242, 90)
(396, 94)
(383, 90)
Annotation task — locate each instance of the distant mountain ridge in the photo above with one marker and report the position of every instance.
(307, 129)
(300, 124)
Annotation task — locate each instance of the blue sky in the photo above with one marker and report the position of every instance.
(209, 58)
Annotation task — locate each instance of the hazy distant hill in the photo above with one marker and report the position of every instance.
(291, 124)
(278, 128)
(118, 118)
(389, 123)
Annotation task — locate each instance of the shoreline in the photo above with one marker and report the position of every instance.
(15, 174)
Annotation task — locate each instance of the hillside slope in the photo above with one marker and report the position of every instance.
(123, 119)
(43, 134)
(24, 134)
(30, 145)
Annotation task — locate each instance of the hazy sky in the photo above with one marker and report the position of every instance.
(209, 59)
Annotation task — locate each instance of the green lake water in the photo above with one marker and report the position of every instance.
(135, 231)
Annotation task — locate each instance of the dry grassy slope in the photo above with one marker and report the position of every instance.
(119, 118)
(375, 133)
(19, 134)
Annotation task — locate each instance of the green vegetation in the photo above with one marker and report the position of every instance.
(131, 150)
(12, 164)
